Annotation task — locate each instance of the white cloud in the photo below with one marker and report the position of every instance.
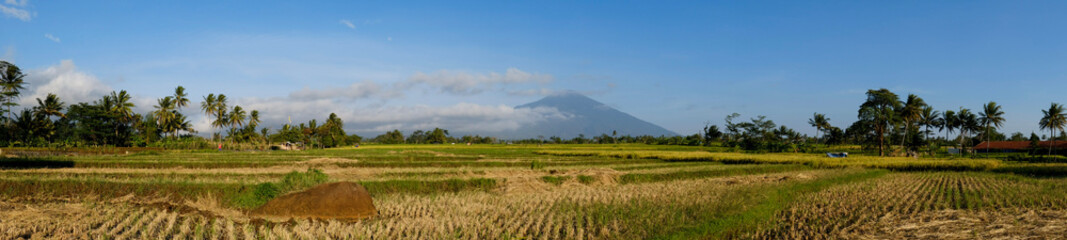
(463, 83)
(50, 37)
(69, 84)
(359, 90)
(348, 23)
(535, 92)
(377, 119)
(16, 2)
(14, 12)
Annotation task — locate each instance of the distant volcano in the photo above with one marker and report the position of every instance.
(588, 117)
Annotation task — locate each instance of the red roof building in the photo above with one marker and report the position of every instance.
(1017, 145)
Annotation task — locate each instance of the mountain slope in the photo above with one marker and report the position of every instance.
(588, 117)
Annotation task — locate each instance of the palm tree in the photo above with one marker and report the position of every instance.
(221, 118)
(910, 113)
(237, 117)
(1054, 119)
(967, 122)
(121, 105)
(820, 122)
(253, 119)
(991, 115)
(164, 113)
(180, 98)
(208, 106)
(51, 106)
(11, 81)
(929, 117)
(949, 122)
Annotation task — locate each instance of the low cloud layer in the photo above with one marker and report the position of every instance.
(358, 90)
(66, 81)
(73, 86)
(462, 117)
(464, 83)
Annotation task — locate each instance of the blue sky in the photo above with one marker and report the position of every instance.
(463, 66)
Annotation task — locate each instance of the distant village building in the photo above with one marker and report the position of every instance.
(1016, 146)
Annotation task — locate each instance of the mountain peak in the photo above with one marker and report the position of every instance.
(591, 118)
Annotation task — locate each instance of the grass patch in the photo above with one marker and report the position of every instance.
(681, 175)
(586, 179)
(762, 214)
(253, 197)
(429, 187)
(555, 180)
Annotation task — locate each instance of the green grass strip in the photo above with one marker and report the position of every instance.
(732, 225)
(429, 187)
(732, 171)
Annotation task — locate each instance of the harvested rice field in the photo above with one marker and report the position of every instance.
(522, 192)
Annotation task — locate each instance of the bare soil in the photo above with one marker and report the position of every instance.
(339, 200)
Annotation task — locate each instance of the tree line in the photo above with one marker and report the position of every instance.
(890, 126)
(111, 121)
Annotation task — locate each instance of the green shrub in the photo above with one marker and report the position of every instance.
(555, 180)
(293, 181)
(585, 179)
(300, 180)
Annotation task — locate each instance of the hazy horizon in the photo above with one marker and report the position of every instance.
(461, 66)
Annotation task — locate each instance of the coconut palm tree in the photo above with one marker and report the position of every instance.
(1053, 120)
(51, 106)
(165, 113)
(928, 117)
(820, 122)
(949, 122)
(967, 122)
(180, 98)
(121, 105)
(221, 116)
(910, 113)
(991, 115)
(253, 118)
(11, 85)
(208, 106)
(237, 117)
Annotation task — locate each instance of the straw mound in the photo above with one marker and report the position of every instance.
(339, 200)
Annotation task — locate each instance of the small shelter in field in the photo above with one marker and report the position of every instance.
(1016, 146)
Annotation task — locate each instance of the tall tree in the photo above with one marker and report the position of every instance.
(165, 113)
(929, 118)
(992, 117)
(820, 122)
(45, 109)
(966, 123)
(910, 113)
(1053, 120)
(879, 110)
(237, 117)
(50, 106)
(180, 98)
(208, 107)
(11, 85)
(949, 122)
(253, 118)
(121, 105)
(221, 116)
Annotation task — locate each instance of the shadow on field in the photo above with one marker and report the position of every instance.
(31, 163)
